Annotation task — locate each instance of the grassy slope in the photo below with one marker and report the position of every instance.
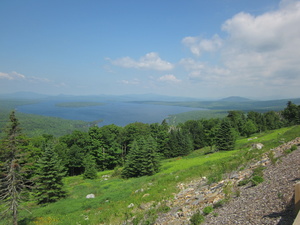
(114, 195)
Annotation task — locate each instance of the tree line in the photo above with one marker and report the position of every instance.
(34, 167)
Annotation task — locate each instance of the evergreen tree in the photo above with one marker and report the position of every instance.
(151, 162)
(225, 139)
(12, 183)
(49, 185)
(142, 159)
(180, 143)
(90, 171)
(292, 113)
(249, 128)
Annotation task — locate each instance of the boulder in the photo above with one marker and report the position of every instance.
(257, 146)
(90, 196)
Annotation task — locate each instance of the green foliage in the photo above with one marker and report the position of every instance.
(179, 143)
(249, 128)
(142, 159)
(196, 130)
(292, 113)
(207, 210)
(197, 218)
(257, 180)
(90, 171)
(115, 194)
(293, 148)
(49, 185)
(225, 139)
(12, 174)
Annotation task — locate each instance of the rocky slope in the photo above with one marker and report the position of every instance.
(270, 202)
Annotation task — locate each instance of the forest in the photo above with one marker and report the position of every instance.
(33, 168)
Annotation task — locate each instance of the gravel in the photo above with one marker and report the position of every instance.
(270, 202)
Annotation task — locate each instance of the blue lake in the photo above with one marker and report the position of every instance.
(118, 113)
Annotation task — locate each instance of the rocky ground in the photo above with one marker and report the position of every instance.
(270, 202)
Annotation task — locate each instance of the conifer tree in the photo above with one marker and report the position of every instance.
(90, 171)
(225, 139)
(12, 184)
(49, 185)
(142, 159)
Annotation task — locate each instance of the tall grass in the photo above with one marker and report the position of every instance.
(114, 195)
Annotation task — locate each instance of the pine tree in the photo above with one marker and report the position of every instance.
(49, 185)
(151, 162)
(225, 139)
(90, 171)
(12, 183)
(179, 143)
(142, 159)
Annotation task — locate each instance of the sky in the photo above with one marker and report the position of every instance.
(193, 48)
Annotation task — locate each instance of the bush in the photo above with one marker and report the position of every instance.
(207, 210)
(197, 218)
(294, 147)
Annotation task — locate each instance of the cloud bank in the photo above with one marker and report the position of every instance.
(256, 51)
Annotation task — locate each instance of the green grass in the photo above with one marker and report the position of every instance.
(114, 195)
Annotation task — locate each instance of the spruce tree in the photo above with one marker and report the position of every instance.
(142, 159)
(49, 185)
(225, 139)
(90, 171)
(151, 162)
(12, 184)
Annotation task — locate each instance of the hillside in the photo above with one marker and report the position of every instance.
(34, 125)
(143, 199)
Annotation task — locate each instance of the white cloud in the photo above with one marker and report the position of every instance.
(149, 61)
(15, 76)
(169, 78)
(259, 51)
(11, 76)
(199, 45)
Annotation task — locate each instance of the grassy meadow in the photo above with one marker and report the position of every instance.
(114, 194)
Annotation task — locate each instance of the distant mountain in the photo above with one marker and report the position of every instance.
(23, 95)
(155, 97)
(98, 98)
(235, 99)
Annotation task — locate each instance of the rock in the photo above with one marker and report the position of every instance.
(145, 195)
(131, 205)
(90, 196)
(257, 146)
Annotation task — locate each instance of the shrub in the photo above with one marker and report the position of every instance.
(197, 218)
(294, 147)
(207, 210)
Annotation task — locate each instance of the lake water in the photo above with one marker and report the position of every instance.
(118, 113)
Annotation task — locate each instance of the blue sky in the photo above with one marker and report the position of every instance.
(196, 48)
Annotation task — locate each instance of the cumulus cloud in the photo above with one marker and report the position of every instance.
(198, 45)
(260, 50)
(149, 61)
(169, 78)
